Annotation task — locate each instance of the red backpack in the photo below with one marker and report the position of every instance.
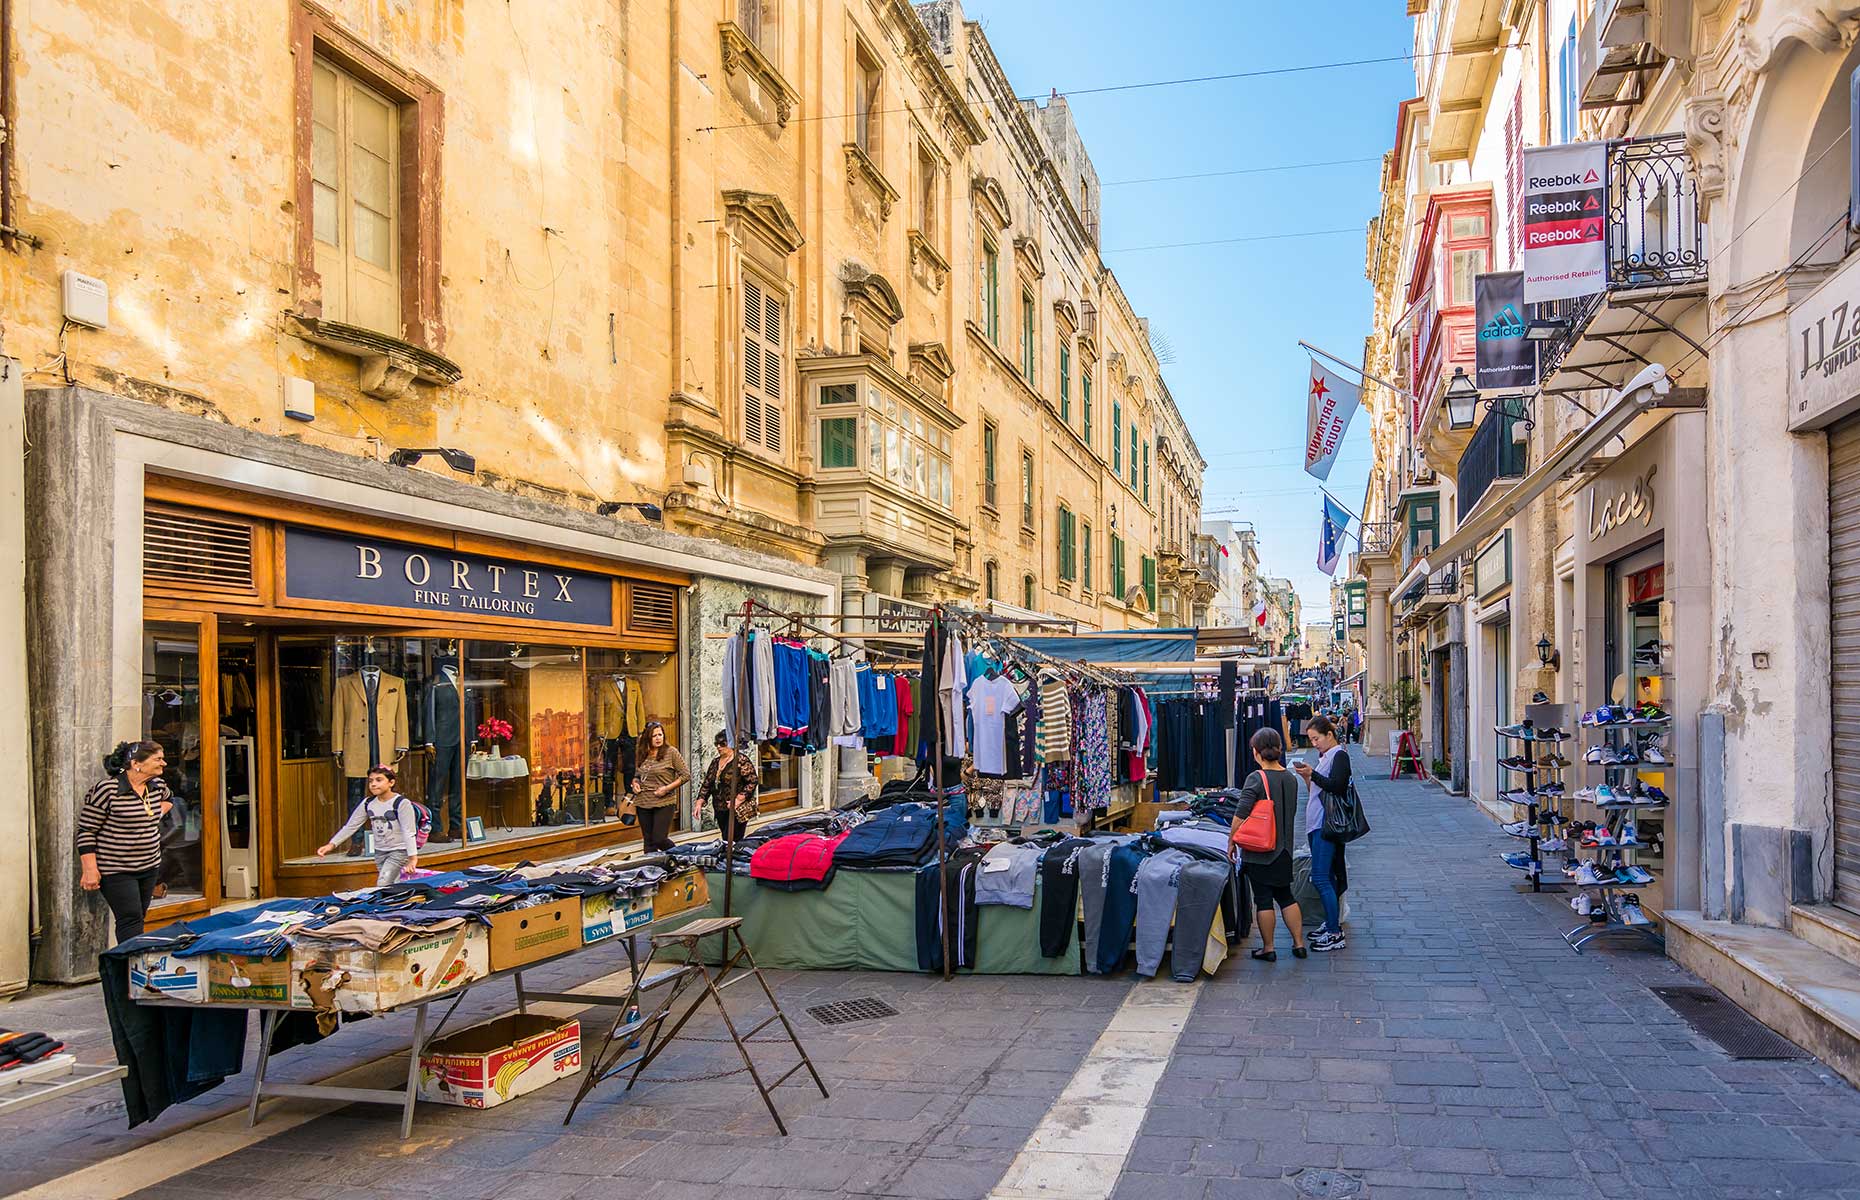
(1259, 832)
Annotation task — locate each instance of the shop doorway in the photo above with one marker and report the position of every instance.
(1639, 672)
(1844, 653)
(1501, 690)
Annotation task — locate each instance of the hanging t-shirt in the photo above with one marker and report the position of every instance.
(990, 702)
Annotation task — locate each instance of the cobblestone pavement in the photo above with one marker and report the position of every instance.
(1456, 1048)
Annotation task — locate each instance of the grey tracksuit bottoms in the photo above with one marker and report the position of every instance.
(1156, 904)
(1094, 861)
(1197, 900)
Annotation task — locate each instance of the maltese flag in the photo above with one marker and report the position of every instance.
(1330, 403)
(1259, 612)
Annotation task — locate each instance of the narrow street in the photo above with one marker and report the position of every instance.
(1457, 1047)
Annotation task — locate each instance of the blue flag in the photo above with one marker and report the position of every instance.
(1330, 541)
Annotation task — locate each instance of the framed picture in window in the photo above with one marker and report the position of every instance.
(474, 829)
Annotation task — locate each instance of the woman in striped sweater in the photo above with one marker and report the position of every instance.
(119, 833)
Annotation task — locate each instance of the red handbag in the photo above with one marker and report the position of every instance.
(1259, 832)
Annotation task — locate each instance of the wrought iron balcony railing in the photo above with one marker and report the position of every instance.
(1494, 453)
(1379, 536)
(1654, 236)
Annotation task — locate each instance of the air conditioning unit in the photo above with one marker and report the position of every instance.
(1610, 41)
(1422, 472)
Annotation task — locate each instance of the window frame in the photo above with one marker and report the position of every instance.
(929, 193)
(1065, 382)
(1118, 580)
(991, 471)
(779, 295)
(1029, 339)
(991, 579)
(1146, 469)
(1085, 401)
(1117, 438)
(1026, 488)
(1085, 583)
(868, 101)
(1068, 544)
(1030, 594)
(990, 267)
(420, 108)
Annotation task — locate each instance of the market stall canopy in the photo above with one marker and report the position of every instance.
(1119, 646)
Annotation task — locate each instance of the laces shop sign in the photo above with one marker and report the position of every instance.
(1824, 351)
(339, 569)
(1622, 506)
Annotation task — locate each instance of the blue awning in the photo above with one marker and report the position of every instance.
(1162, 645)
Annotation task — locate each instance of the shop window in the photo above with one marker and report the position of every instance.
(558, 724)
(171, 715)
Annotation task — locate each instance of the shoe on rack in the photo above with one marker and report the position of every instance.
(1518, 860)
(1594, 755)
(1627, 756)
(1520, 730)
(1587, 875)
(1519, 828)
(1630, 836)
(1653, 755)
(1550, 734)
(1601, 716)
(1634, 874)
(1631, 913)
(1556, 762)
(1516, 763)
(1552, 844)
(1550, 789)
(1653, 796)
(1606, 797)
(1597, 837)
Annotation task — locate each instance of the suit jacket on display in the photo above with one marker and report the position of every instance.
(619, 707)
(349, 721)
(440, 710)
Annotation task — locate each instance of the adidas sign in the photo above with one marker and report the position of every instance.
(1504, 324)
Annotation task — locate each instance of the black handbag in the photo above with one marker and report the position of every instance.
(1344, 818)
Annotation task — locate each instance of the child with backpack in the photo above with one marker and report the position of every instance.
(398, 824)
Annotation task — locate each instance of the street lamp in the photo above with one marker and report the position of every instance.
(1546, 653)
(1462, 400)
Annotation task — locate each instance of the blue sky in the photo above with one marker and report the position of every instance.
(1233, 313)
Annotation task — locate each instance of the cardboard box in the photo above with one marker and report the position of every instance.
(527, 935)
(681, 894)
(255, 981)
(159, 973)
(486, 1065)
(357, 979)
(604, 916)
(1143, 814)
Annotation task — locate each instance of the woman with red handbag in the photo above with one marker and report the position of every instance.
(1262, 837)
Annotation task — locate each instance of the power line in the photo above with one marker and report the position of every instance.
(1310, 166)
(1104, 89)
(1262, 237)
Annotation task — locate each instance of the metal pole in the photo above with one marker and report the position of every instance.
(936, 767)
(1347, 364)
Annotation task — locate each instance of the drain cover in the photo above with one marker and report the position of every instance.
(1321, 1181)
(845, 1012)
(1737, 1033)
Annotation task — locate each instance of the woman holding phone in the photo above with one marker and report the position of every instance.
(1331, 774)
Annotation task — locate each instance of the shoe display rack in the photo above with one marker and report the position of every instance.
(1541, 772)
(1607, 886)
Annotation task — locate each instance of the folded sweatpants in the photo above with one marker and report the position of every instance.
(1197, 898)
(1093, 862)
(1120, 907)
(1156, 900)
(1059, 894)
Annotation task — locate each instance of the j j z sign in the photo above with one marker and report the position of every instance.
(365, 571)
(1824, 351)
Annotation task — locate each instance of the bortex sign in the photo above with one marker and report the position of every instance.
(1565, 221)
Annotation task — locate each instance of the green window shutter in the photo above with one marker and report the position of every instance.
(1085, 399)
(839, 443)
(1065, 383)
(1117, 436)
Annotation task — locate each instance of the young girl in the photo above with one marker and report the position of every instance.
(392, 821)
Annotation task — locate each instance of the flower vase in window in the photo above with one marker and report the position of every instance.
(495, 731)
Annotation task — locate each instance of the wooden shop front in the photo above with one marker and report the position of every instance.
(286, 648)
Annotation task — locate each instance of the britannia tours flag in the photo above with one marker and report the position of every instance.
(1331, 403)
(1565, 221)
(1330, 541)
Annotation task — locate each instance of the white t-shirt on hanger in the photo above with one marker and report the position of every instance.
(990, 703)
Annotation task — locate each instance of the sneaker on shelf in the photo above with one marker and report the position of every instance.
(1550, 734)
(1519, 730)
(1555, 762)
(1633, 874)
(1631, 913)
(1606, 756)
(1651, 753)
(1629, 836)
(1552, 844)
(1594, 755)
(1516, 763)
(1601, 716)
(1597, 837)
(1519, 828)
(1550, 789)
(1518, 859)
(1627, 756)
(1582, 902)
(1647, 714)
(1653, 797)
(1586, 874)
(1606, 797)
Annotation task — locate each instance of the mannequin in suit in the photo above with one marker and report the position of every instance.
(441, 710)
(368, 725)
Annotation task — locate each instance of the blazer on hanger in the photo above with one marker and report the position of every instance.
(349, 721)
